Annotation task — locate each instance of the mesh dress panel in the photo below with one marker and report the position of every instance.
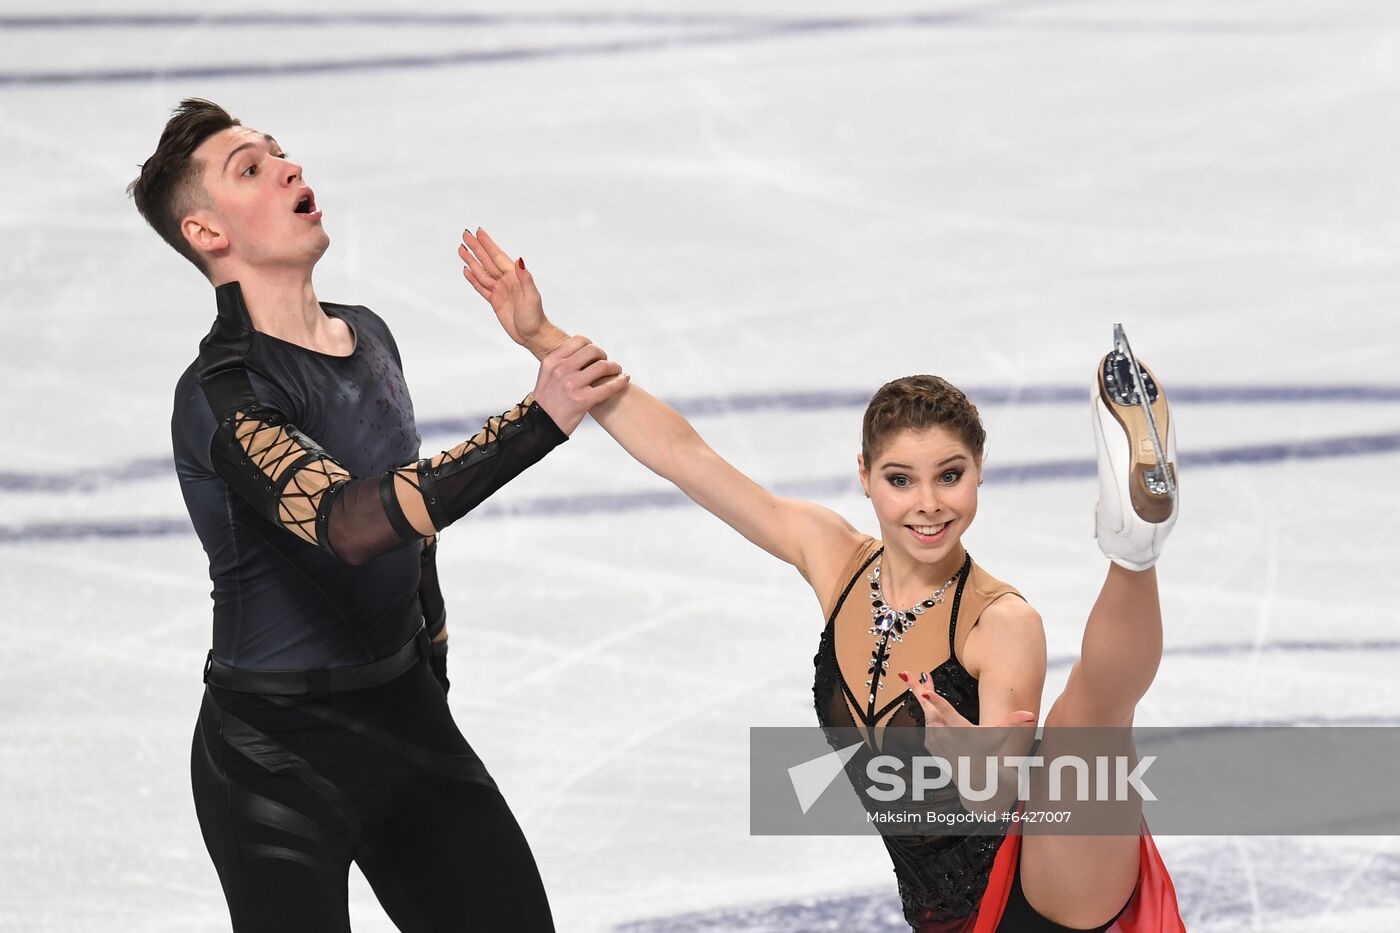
(941, 877)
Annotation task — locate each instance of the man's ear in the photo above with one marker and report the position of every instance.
(203, 231)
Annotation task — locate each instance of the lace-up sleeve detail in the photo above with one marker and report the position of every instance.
(270, 461)
(296, 484)
(455, 481)
(299, 486)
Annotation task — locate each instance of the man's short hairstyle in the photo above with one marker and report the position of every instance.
(169, 186)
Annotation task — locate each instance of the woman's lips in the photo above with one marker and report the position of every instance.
(935, 537)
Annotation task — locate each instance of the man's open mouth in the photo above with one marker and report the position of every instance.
(306, 204)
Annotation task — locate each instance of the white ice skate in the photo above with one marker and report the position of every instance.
(1136, 443)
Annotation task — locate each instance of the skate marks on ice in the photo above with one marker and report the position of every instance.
(149, 469)
(531, 36)
(1222, 885)
(146, 468)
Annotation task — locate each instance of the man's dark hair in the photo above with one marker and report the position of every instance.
(169, 187)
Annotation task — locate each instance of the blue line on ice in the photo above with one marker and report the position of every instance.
(147, 468)
(613, 503)
(713, 30)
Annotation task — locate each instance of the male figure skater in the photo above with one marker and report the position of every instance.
(324, 735)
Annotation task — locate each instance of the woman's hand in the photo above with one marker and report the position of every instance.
(510, 288)
(950, 735)
(939, 712)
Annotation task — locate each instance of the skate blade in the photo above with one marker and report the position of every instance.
(1130, 392)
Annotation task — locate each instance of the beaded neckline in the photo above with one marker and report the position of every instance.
(898, 623)
(889, 624)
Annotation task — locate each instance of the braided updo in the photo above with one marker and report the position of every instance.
(919, 402)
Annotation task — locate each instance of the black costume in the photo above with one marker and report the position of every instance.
(942, 878)
(323, 736)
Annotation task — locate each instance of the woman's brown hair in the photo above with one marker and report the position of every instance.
(919, 402)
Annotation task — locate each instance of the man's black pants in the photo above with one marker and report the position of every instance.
(289, 791)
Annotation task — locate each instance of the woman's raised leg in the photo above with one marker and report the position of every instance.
(1084, 881)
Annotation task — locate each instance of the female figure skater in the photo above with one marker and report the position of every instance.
(975, 647)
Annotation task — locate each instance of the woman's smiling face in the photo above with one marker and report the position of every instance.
(923, 484)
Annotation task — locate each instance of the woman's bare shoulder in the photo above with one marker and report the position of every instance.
(1009, 632)
(832, 557)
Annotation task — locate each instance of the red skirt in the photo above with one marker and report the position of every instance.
(1152, 908)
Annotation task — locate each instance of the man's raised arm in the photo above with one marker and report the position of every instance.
(296, 484)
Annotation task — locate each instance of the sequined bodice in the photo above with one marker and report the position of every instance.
(841, 703)
(940, 877)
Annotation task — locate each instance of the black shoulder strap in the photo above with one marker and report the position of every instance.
(836, 610)
(223, 354)
(963, 574)
(253, 448)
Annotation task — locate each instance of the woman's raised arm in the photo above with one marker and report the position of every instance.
(812, 538)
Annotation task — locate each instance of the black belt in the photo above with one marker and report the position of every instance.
(318, 683)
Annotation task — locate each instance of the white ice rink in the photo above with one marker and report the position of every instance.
(764, 212)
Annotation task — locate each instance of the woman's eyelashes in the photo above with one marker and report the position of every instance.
(903, 481)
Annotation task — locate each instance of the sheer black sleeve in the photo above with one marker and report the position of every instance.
(296, 484)
(299, 486)
(430, 591)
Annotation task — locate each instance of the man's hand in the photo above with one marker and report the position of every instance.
(510, 288)
(574, 377)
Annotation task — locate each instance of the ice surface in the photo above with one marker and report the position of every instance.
(765, 211)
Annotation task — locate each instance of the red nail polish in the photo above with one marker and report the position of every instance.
(520, 262)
